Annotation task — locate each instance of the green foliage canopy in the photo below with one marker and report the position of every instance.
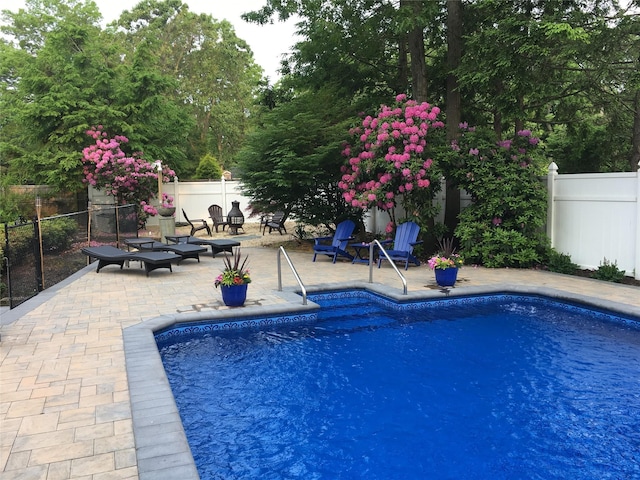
(175, 83)
(291, 161)
(503, 226)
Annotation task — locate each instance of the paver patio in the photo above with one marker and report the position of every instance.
(65, 406)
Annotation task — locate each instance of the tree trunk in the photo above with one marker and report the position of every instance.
(454, 104)
(403, 69)
(519, 123)
(415, 40)
(497, 116)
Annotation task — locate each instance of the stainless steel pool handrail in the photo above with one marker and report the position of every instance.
(371, 262)
(295, 274)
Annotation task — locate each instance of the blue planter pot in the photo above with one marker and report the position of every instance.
(235, 295)
(446, 277)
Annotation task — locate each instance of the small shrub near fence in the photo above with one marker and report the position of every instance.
(31, 263)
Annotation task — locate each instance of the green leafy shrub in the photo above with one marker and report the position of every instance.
(504, 226)
(209, 168)
(14, 205)
(20, 243)
(559, 262)
(496, 248)
(57, 234)
(609, 272)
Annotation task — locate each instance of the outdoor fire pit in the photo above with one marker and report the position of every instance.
(235, 218)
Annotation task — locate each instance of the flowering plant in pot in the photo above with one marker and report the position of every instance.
(167, 201)
(234, 279)
(166, 208)
(445, 264)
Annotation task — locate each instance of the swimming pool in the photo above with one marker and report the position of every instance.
(503, 386)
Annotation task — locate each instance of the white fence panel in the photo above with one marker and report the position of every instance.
(196, 197)
(596, 216)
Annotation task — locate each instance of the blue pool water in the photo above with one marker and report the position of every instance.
(503, 387)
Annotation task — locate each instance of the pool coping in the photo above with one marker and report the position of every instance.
(162, 448)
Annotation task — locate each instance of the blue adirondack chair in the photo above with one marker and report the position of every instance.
(339, 241)
(402, 249)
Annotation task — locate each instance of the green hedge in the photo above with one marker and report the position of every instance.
(57, 236)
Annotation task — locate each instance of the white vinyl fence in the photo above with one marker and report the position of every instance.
(590, 216)
(593, 216)
(195, 198)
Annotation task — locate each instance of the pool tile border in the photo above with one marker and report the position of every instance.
(191, 328)
(435, 304)
(162, 448)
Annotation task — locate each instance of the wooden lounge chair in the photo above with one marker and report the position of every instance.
(215, 212)
(109, 255)
(276, 222)
(403, 243)
(339, 242)
(197, 228)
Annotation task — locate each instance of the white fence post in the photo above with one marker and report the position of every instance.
(637, 247)
(223, 184)
(176, 199)
(551, 192)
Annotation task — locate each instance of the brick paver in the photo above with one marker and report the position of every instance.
(65, 406)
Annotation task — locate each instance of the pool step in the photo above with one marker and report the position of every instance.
(354, 316)
(353, 324)
(351, 313)
(344, 302)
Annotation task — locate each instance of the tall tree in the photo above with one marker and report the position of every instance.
(413, 10)
(375, 47)
(216, 74)
(292, 161)
(50, 93)
(30, 26)
(453, 103)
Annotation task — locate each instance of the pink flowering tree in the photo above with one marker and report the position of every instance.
(504, 225)
(130, 179)
(390, 163)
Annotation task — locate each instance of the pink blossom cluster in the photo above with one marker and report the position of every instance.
(388, 158)
(130, 179)
(442, 262)
(167, 201)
